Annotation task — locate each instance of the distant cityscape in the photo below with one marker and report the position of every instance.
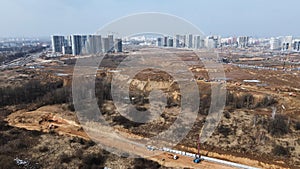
(284, 43)
(93, 44)
(10, 44)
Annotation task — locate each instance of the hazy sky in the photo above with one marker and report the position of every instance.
(222, 17)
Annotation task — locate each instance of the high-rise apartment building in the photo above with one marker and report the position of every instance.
(93, 44)
(166, 41)
(197, 42)
(57, 43)
(211, 42)
(190, 41)
(111, 43)
(76, 44)
(184, 40)
(177, 41)
(69, 40)
(296, 45)
(243, 41)
(286, 43)
(275, 44)
(105, 45)
(170, 42)
(159, 42)
(118, 45)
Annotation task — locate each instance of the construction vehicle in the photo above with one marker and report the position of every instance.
(198, 156)
(197, 160)
(174, 157)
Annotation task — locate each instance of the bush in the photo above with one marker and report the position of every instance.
(7, 162)
(93, 159)
(71, 107)
(77, 140)
(28, 93)
(224, 130)
(78, 153)
(278, 126)
(141, 163)
(227, 115)
(90, 143)
(268, 101)
(43, 149)
(281, 151)
(64, 158)
(247, 100)
(19, 144)
(297, 125)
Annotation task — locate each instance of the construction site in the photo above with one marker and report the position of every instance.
(259, 127)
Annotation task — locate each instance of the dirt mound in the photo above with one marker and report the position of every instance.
(48, 119)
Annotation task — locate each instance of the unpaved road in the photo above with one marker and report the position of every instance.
(46, 121)
(51, 118)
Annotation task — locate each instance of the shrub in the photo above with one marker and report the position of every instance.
(268, 101)
(248, 100)
(64, 158)
(18, 144)
(278, 126)
(281, 151)
(79, 140)
(297, 125)
(93, 159)
(141, 163)
(7, 162)
(227, 115)
(78, 153)
(71, 107)
(90, 143)
(224, 130)
(43, 149)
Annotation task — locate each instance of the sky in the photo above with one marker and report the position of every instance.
(256, 18)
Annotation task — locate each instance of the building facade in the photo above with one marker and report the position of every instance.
(105, 45)
(118, 45)
(296, 45)
(275, 44)
(159, 42)
(243, 41)
(57, 43)
(76, 44)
